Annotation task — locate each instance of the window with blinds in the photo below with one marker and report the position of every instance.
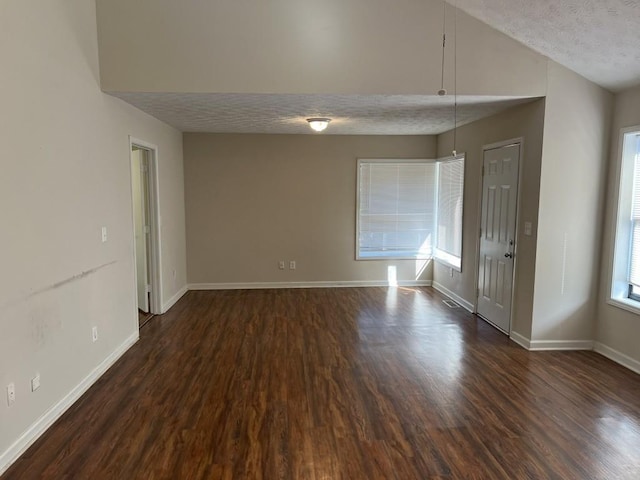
(449, 211)
(625, 272)
(409, 209)
(634, 254)
(396, 214)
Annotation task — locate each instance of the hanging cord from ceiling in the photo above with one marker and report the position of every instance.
(442, 92)
(455, 78)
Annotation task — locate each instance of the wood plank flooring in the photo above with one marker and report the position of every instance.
(349, 383)
(143, 318)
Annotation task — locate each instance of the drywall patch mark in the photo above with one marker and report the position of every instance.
(57, 285)
(44, 320)
(75, 278)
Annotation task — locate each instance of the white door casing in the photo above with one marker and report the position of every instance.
(497, 234)
(139, 169)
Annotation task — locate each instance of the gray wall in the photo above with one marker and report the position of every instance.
(617, 331)
(253, 200)
(572, 180)
(526, 122)
(289, 46)
(65, 173)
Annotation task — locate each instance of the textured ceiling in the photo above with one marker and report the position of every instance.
(282, 114)
(599, 39)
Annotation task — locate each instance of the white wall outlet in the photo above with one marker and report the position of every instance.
(292, 265)
(11, 394)
(104, 234)
(281, 264)
(451, 272)
(94, 334)
(35, 383)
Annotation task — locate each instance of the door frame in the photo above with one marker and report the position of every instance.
(493, 146)
(155, 259)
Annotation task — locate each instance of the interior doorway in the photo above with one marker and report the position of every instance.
(498, 234)
(145, 229)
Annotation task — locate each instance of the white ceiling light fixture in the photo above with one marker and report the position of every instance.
(318, 124)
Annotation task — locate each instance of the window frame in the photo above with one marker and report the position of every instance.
(433, 256)
(439, 255)
(357, 235)
(619, 294)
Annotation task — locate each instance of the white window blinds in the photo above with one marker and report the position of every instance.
(449, 210)
(634, 254)
(396, 216)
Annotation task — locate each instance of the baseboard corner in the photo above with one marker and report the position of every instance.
(617, 356)
(173, 300)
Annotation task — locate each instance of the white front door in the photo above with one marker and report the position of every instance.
(497, 235)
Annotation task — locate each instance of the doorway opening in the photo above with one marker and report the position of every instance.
(497, 248)
(145, 228)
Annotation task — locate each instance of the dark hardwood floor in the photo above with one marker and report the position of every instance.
(143, 318)
(346, 383)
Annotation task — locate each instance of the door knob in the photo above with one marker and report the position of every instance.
(508, 255)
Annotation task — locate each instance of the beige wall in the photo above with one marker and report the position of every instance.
(617, 329)
(525, 121)
(576, 142)
(65, 173)
(253, 200)
(289, 46)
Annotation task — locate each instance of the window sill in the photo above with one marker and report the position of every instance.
(444, 263)
(625, 304)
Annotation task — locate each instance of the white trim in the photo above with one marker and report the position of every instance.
(521, 340)
(453, 296)
(627, 304)
(276, 285)
(173, 300)
(55, 412)
(155, 266)
(618, 357)
(544, 345)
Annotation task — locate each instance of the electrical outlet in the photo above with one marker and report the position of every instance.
(94, 334)
(104, 234)
(11, 394)
(292, 265)
(35, 383)
(281, 264)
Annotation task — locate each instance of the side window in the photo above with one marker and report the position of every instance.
(625, 282)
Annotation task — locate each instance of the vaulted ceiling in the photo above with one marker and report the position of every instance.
(598, 39)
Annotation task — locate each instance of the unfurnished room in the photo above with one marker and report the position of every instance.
(284, 239)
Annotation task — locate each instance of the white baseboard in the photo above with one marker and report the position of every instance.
(454, 296)
(275, 285)
(546, 345)
(550, 345)
(50, 416)
(618, 357)
(173, 300)
(521, 340)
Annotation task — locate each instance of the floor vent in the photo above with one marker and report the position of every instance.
(450, 304)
